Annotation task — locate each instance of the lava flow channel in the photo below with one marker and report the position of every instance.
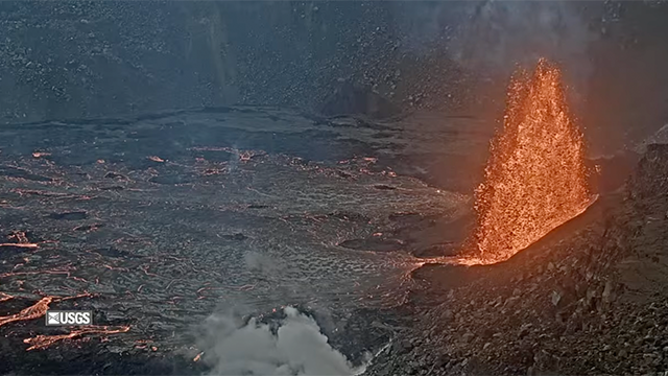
(42, 341)
(535, 178)
(35, 311)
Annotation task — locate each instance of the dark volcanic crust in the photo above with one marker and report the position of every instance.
(589, 298)
(156, 222)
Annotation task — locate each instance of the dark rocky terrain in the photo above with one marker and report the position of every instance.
(154, 226)
(156, 222)
(589, 298)
(143, 176)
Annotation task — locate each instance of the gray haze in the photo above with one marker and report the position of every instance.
(295, 347)
(493, 38)
(498, 34)
(76, 59)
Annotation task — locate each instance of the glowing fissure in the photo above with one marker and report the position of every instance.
(535, 178)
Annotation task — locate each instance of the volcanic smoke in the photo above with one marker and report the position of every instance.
(535, 178)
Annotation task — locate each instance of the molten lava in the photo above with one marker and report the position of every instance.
(536, 178)
(34, 311)
(42, 341)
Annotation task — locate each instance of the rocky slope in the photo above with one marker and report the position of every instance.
(587, 299)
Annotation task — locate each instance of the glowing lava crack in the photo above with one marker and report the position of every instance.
(536, 178)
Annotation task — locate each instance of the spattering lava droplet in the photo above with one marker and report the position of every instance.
(535, 178)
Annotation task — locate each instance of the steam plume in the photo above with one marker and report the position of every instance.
(294, 346)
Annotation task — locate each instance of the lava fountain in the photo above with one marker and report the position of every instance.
(535, 178)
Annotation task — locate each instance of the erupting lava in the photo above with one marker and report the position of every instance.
(536, 178)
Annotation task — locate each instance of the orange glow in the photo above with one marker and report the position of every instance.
(5, 297)
(35, 311)
(19, 245)
(535, 178)
(42, 341)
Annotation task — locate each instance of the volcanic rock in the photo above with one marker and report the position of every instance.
(69, 216)
(438, 250)
(373, 244)
(583, 300)
(351, 99)
(257, 220)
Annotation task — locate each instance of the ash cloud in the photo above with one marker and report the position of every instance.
(291, 345)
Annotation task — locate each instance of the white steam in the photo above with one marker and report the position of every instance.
(297, 347)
